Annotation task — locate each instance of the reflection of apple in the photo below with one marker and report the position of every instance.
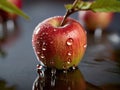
(59, 46)
(72, 80)
(6, 15)
(95, 20)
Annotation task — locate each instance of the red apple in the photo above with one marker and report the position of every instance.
(6, 15)
(94, 20)
(59, 46)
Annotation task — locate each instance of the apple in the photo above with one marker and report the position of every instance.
(59, 46)
(92, 20)
(6, 15)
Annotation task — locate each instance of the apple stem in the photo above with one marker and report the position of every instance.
(69, 12)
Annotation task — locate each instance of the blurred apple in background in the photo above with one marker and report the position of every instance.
(92, 20)
(6, 15)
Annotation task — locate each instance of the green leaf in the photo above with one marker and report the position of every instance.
(6, 6)
(106, 6)
(68, 6)
(80, 5)
(86, 5)
(96, 6)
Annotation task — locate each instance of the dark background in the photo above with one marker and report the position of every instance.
(100, 65)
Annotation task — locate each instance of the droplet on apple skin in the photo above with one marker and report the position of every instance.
(69, 42)
(69, 60)
(59, 47)
(43, 46)
(85, 45)
(42, 56)
(69, 53)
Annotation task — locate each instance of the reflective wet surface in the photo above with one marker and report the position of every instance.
(99, 69)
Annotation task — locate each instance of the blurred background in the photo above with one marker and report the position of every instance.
(100, 67)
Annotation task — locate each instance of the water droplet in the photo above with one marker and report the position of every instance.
(73, 67)
(65, 71)
(54, 30)
(85, 45)
(43, 33)
(69, 53)
(51, 42)
(38, 52)
(43, 43)
(85, 32)
(42, 56)
(69, 60)
(43, 48)
(38, 42)
(40, 70)
(39, 66)
(65, 65)
(69, 42)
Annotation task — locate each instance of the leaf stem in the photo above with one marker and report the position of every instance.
(69, 12)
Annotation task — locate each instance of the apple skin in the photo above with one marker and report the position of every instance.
(94, 20)
(59, 46)
(6, 15)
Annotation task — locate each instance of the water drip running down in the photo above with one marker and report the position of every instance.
(40, 70)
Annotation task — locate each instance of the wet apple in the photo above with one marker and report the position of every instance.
(59, 46)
